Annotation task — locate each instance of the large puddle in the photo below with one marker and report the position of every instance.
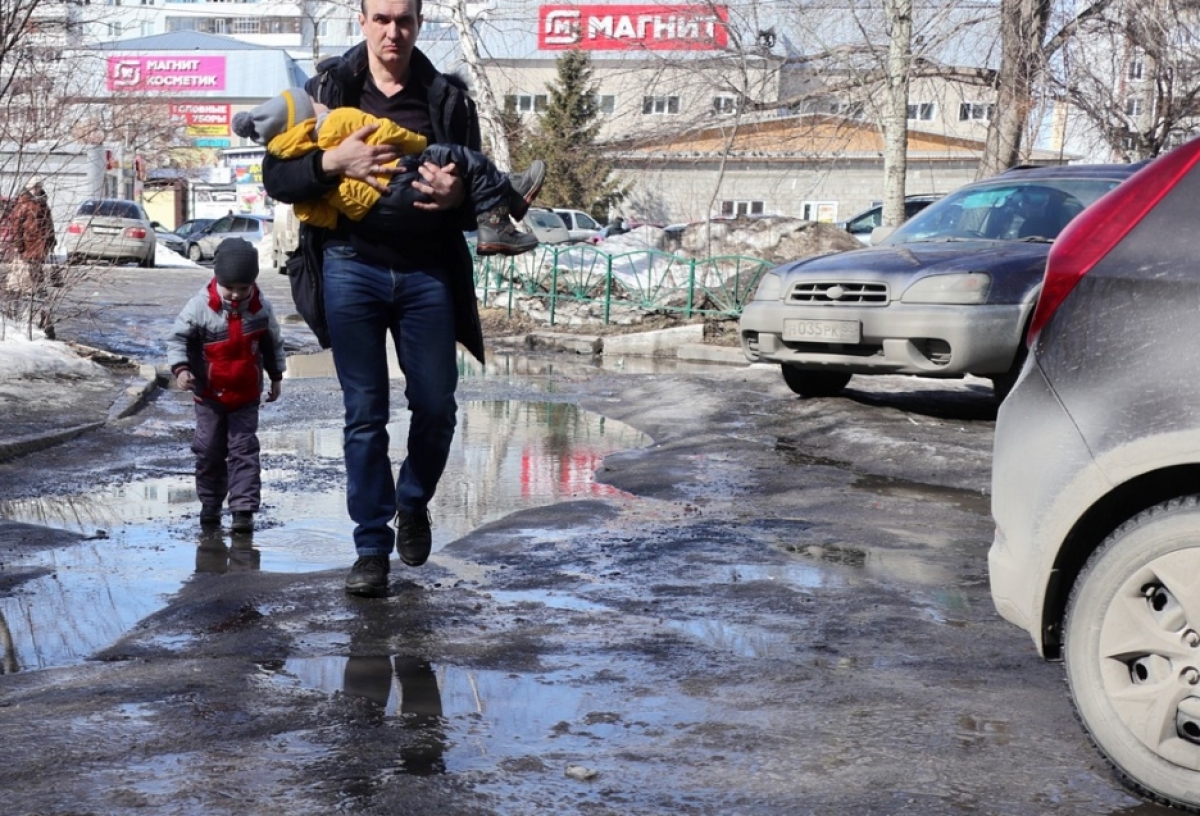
(145, 538)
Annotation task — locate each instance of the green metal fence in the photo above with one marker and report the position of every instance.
(641, 279)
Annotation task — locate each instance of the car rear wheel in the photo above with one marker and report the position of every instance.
(194, 254)
(814, 383)
(1132, 651)
(147, 262)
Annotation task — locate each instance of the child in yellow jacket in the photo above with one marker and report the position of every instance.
(292, 125)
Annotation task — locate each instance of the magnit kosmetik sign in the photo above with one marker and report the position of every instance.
(167, 74)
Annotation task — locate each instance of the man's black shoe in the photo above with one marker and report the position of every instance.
(414, 539)
(243, 522)
(368, 577)
(525, 187)
(210, 515)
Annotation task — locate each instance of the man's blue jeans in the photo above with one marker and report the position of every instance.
(363, 302)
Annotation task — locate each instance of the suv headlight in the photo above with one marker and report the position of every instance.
(769, 288)
(960, 288)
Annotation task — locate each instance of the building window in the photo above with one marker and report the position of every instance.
(975, 112)
(658, 105)
(724, 105)
(605, 103)
(526, 103)
(1133, 106)
(1136, 68)
(114, 29)
(922, 111)
(823, 211)
(730, 209)
(242, 25)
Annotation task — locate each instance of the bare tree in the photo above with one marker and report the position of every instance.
(1133, 77)
(1026, 51)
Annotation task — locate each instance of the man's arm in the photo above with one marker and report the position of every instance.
(313, 175)
(299, 179)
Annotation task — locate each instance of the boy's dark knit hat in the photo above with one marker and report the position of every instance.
(235, 261)
(268, 120)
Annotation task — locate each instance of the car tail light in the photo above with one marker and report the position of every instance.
(1100, 227)
(135, 232)
(75, 228)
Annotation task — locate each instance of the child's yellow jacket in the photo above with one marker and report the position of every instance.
(352, 197)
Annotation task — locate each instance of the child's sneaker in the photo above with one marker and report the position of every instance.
(525, 188)
(243, 522)
(210, 515)
(498, 235)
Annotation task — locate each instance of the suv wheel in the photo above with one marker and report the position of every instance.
(815, 383)
(1132, 651)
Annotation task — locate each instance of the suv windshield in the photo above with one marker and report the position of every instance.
(1003, 211)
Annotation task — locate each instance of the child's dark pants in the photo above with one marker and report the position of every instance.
(227, 461)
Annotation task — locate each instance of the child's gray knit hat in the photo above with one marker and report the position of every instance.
(268, 120)
(235, 262)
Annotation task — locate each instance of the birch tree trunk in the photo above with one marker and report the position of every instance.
(485, 98)
(1023, 26)
(895, 115)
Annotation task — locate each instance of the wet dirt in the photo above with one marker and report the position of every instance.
(757, 605)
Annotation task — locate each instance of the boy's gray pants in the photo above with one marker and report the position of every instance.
(227, 463)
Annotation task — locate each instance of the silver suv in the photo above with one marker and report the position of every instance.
(202, 244)
(1096, 477)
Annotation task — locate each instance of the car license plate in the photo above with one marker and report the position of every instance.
(106, 230)
(822, 331)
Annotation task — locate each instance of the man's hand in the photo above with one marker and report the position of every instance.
(356, 159)
(274, 391)
(185, 380)
(442, 184)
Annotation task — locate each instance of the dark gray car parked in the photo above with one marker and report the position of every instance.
(947, 294)
(1096, 477)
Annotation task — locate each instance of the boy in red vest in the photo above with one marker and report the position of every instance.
(222, 341)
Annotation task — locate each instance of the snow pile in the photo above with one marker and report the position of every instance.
(39, 358)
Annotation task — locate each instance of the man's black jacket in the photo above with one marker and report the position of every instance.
(339, 83)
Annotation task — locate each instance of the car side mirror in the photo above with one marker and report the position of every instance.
(879, 233)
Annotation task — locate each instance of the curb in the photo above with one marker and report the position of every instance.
(134, 396)
(126, 404)
(35, 442)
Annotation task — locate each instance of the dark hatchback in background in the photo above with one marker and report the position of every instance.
(949, 293)
(1096, 477)
(862, 225)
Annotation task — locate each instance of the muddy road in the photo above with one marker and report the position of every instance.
(683, 591)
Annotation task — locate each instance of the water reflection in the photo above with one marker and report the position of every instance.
(463, 718)
(383, 679)
(214, 555)
(145, 540)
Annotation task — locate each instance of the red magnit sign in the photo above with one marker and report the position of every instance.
(630, 28)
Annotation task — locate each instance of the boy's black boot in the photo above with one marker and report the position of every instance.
(210, 515)
(243, 522)
(498, 235)
(525, 188)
